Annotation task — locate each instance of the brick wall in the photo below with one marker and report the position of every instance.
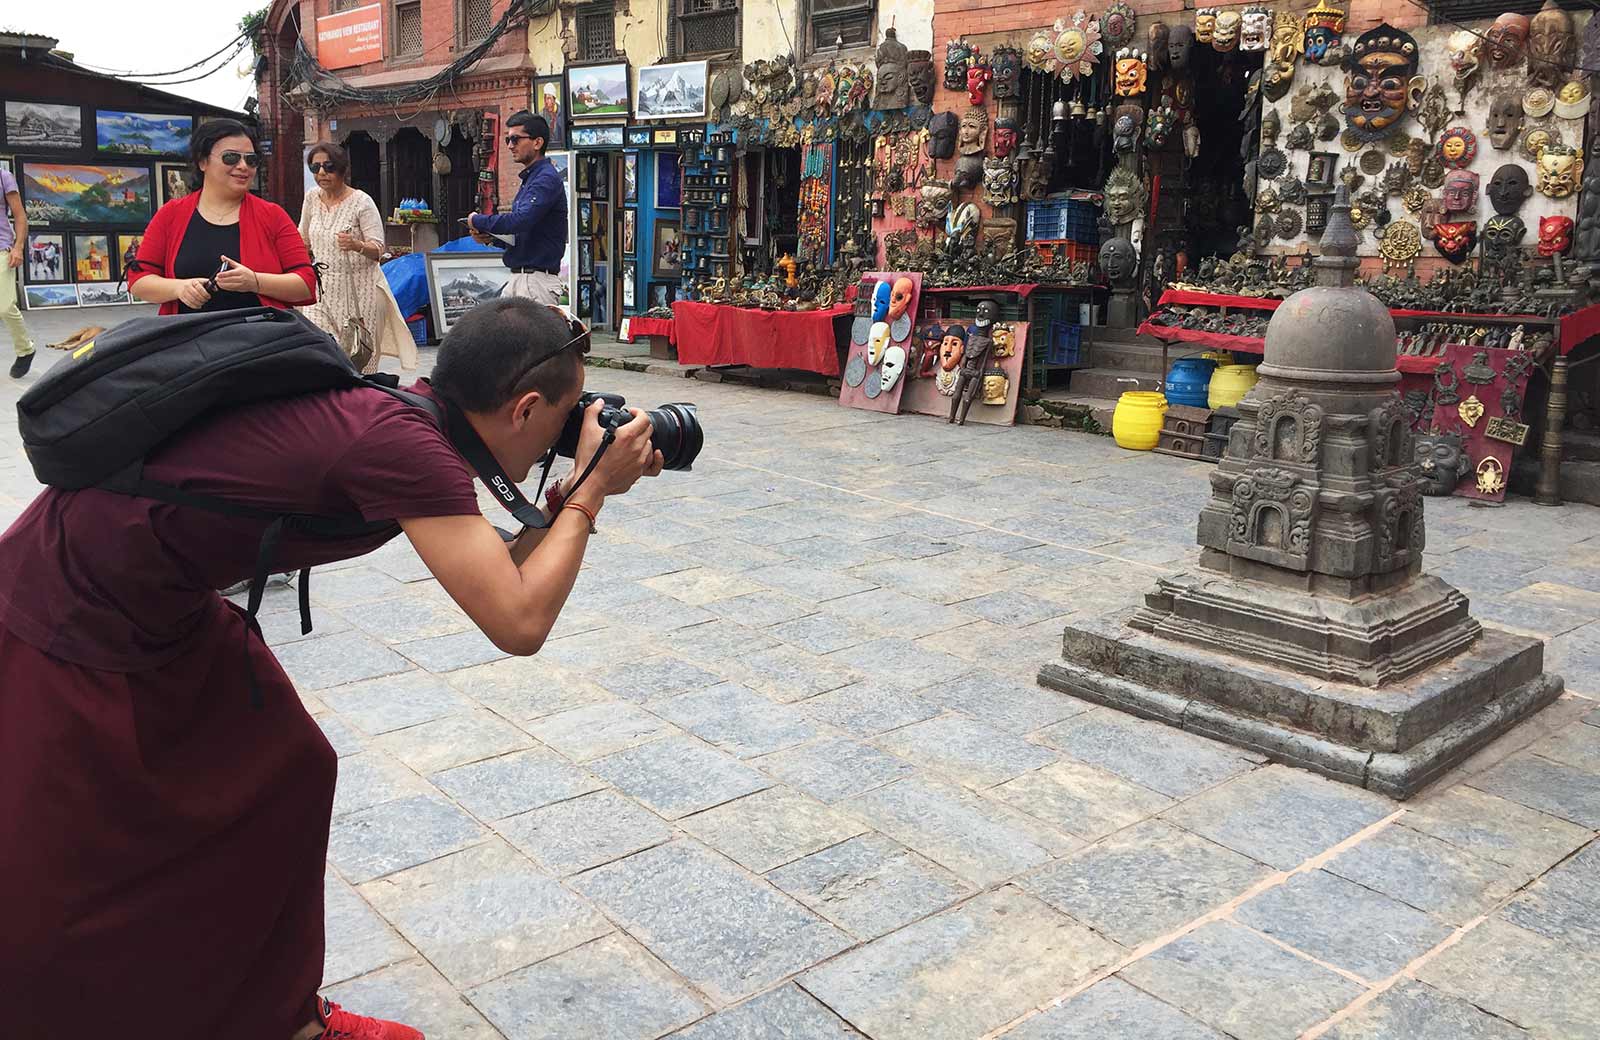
(978, 18)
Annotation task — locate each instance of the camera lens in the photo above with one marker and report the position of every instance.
(677, 434)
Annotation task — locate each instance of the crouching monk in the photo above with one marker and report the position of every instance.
(162, 839)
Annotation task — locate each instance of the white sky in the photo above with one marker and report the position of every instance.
(148, 36)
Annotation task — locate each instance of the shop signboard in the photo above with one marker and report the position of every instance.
(350, 38)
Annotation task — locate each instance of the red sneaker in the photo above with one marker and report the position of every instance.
(342, 1025)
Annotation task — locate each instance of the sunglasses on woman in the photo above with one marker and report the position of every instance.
(320, 167)
(231, 158)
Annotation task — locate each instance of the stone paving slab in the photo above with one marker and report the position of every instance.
(869, 885)
(1113, 1010)
(1427, 873)
(414, 993)
(960, 973)
(1080, 799)
(1545, 986)
(770, 828)
(1241, 984)
(971, 753)
(1158, 757)
(679, 775)
(728, 933)
(511, 784)
(585, 832)
(788, 1013)
(1416, 1011)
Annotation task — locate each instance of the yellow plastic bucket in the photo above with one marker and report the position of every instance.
(1136, 423)
(1229, 384)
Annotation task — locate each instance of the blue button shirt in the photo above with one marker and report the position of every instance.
(538, 218)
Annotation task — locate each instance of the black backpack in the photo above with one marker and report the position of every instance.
(94, 417)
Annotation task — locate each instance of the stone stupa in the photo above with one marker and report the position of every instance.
(1308, 631)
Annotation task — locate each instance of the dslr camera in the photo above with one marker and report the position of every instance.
(675, 429)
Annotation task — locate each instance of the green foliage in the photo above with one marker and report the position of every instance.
(252, 23)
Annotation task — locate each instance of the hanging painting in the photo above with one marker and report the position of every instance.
(43, 297)
(172, 182)
(602, 290)
(31, 125)
(458, 282)
(598, 91)
(669, 181)
(91, 255)
(630, 232)
(61, 193)
(104, 295)
(47, 257)
(667, 261)
(630, 177)
(139, 133)
(675, 91)
(630, 275)
(547, 102)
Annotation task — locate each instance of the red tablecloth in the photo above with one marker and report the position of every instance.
(716, 334)
(650, 327)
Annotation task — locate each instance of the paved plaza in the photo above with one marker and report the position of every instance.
(784, 772)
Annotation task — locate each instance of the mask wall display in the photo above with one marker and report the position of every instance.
(921, 75)
(1381, 82)
(1180, 41)
(1124, 195)
(1005, 136)
(1157, 39)
(1225, 34)
(1322, 41)
(1000, 181)
(1287, 38)
(1442, 460)
(1131, 72)
(943, 129)
(1535, 139)
(1126, 122)
(1078, 46)
(1205, 24)
(1460, 191)
(1158, 126)
(958, 55)
(892, 89)
(1560, 170)
(979, 73)
(1455, 239)
(1276, 78)
(1119, 262)
(1504, 41)
(1538, 102)
(1555, 236)
(1508, 189)
(1505, 120)
(1007, 65)
(974, 131)
(1465, 49)
(934, 202)
(1040, 52)
(1572, 100)
(1552, 47)
(1457, 147)
(968, 172)
(1117, 25)
(1500, 237)
(1255, 29)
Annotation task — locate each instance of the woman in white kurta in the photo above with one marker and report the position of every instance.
(343, 229)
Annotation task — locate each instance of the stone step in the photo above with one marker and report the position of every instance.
(1129, 357)
(1111, 383)
(1580, 481)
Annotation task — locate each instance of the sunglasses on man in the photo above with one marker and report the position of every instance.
(232, 158)
(580, 339)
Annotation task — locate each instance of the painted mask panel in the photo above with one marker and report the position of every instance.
(1322, 43)
(920, 70)
(995, 387)
(1555, 236)
(957, 55)
(1465, 49)
(900, 297)
(881, 296)
(1131, 72)
(1005, 136)
(1504, 41)
(1505, 120)
(1180, 41)
(877, 341)
(1381, 82)
(942, 131)
(1456, 240)
(1560, 169)
(952, 347)
(1460, 191)
(1255, 28)
(978, 77)
(1508, 189)
(892, 367)
(1117, 25)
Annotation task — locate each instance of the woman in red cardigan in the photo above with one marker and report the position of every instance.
(222, 248)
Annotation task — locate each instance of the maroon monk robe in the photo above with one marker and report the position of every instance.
(161, 843)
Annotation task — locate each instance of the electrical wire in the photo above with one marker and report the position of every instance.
(125, 74)
(224, 63)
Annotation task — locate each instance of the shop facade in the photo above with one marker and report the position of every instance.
(94, 157)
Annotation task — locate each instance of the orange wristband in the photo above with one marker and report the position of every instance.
(585, 510)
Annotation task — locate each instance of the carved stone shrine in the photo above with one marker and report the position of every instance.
(1307, 630)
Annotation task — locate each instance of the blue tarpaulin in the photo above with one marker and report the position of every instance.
(408, 275)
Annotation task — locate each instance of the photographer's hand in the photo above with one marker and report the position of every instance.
(628, 458)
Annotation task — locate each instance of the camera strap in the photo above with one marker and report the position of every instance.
(483, 462)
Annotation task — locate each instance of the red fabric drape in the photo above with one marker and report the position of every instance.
(714, 334)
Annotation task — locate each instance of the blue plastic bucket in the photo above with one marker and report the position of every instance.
(1189, 380)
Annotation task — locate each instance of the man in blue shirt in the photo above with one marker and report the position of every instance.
(538, 216)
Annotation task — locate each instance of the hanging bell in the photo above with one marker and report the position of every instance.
(1099, 115)
(1025, 150)
(1078, 111)
(1058, 114)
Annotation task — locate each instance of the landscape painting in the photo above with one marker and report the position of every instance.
(595, 91)
(136, 133)
(459, 282)
(676, 91)
(40, 297)
(102, 295)
(61, 193)
(31, 125)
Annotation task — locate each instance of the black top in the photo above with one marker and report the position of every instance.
(200, 256)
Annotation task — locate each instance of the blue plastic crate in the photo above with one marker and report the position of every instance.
(1066, 342)
(1047, 219)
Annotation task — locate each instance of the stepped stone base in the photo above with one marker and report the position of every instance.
(1394, 740)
